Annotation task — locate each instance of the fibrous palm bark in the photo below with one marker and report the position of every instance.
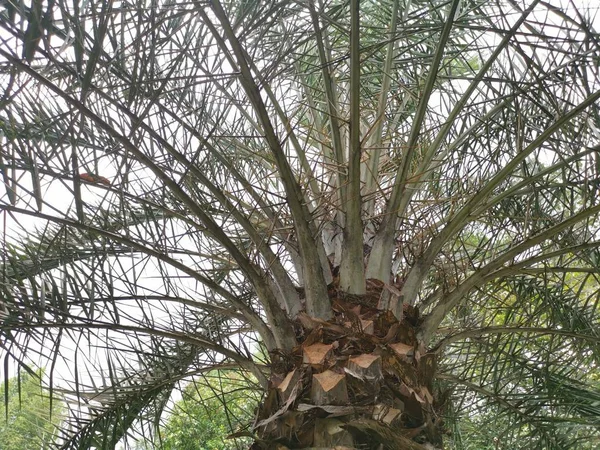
(359, 380)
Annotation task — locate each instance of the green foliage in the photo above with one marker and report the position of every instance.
(212, 408)
(28, 422)
(536, 387)
(491, 429)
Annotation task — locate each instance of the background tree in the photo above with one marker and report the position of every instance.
(212, 408)
(396, 201)
(29, 419)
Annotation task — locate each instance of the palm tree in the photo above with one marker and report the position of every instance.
(394, 202)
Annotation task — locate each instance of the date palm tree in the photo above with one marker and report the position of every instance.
(383, 213)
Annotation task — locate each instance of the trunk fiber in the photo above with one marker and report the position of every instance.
(359, 380)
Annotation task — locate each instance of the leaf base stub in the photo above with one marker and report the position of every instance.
(360, 379)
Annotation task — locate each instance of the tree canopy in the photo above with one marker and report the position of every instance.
(212, 411)
(29, 419)
(394, 203)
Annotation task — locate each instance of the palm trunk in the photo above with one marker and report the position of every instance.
(359, 380)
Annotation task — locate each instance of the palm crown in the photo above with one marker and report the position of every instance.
(191, 183)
